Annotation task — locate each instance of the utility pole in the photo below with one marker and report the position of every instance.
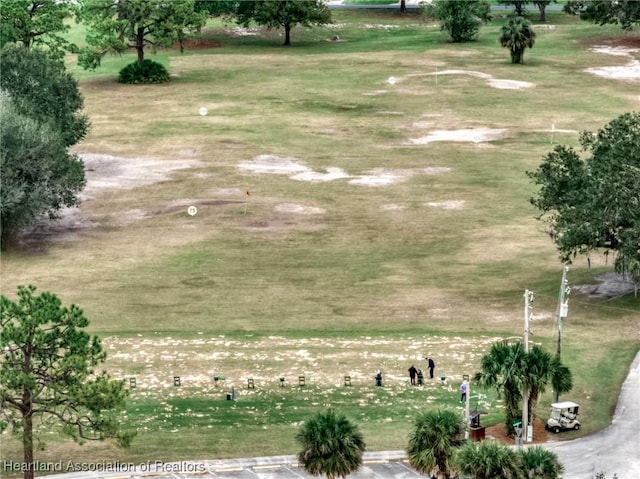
(528, 431)
(467, 415)
(563, 310)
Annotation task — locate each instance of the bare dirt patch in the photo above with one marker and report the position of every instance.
(475, 135)
(630, 71)
(509, 84)
(103, 173)
(492, 82)
(299, 209)
(392, 207)
(447, 205)
(297, 170)
(499, 433)
(608, 285)
(197, 44)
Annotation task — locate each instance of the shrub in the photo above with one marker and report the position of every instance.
(146, 72)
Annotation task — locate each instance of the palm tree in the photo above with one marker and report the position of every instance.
(542, 368)
(331, 445)
(489, 460)
(517, 35)
(538, 463)
(501, 370)
(508, 369)
(431, 444)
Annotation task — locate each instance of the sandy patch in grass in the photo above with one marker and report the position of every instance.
(103, 173)
(377, 178)
(510, 84)
(273, 164)
(392, 207)
(498, 83)
(300, 209)
(475, 135)
(447, 205)
(630, 71)
(331, 174)
(296, 170)
(436, 170)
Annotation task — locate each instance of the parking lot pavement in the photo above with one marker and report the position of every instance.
(377, 470)
(378, 465)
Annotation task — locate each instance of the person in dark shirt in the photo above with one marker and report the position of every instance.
(413, 372)
(431, 365)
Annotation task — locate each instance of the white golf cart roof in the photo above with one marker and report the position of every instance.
(564, 405)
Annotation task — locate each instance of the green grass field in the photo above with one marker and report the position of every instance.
(416, 248)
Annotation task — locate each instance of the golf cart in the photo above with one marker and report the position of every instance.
(563, 417)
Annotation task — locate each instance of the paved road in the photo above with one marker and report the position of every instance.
(614, 450)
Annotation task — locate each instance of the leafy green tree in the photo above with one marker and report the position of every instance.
(488, 460)
(40, 107)
(517, 4)
(42, 89)
(283, 14)
(331, 445)
(542, 8)
(592, 203)
(216, 8)
(46, 374)
(36, 23)
(625, 13)
(517, 35)
(38, 176)
(539, 463)
(433, 440)
(460, 18)
(114, 26)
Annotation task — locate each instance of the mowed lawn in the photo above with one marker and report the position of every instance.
(333, 235)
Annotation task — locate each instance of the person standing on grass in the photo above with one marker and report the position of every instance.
(463, 391)
(412, 374)
(431, 364)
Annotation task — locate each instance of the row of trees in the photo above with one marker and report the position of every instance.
(462, 20)
(332, 445)
(114, 26)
